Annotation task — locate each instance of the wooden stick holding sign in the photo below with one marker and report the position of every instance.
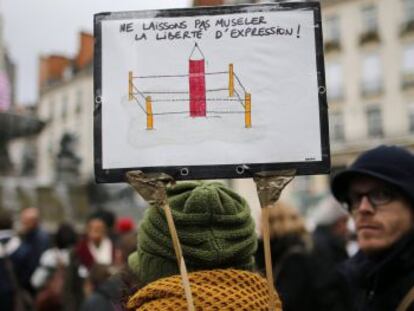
(152, 188)
(269, 187)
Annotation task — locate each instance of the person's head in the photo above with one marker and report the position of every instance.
(29, 219)
(330, 214)
(127, 244)
(98, 274)
(378, 190)
(124, 225)
(285, 220)
(96, 229)
(65, 236)
(108, 217)
(215, 229)
(6, 220)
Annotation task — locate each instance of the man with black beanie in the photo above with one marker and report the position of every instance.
(378, 191)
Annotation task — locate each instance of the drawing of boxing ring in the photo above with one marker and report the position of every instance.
(198, 100)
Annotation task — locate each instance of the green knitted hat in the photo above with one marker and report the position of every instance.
(214, 226)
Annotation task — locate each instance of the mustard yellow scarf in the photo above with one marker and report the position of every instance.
(223, 290)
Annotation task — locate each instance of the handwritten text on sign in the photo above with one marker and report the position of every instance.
(238, 27)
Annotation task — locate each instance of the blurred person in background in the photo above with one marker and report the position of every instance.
(36, 239)
(104, 287)
(64, 239)
(95, 247)
(330, 239)
(125, 225)
(126, 239)
(98, 291)
(13, 258)
(110, 220)
(292, 262)
(378, 190)
(331, 232)
(50, 277)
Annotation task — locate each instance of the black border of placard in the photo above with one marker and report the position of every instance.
(238, 170)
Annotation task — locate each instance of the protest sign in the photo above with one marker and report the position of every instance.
(218, 92)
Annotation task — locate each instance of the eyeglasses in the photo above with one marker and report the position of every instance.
(375, 197)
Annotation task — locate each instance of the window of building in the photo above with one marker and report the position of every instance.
(50, 148)
(332, 29)
(50, 107)
(334, 81)
(371, 74)
(408, 66)
(374, 121)
(67, 73)
(408, 59)
(337, 126)
(64, 107)
(369, 19)
(408, 7)
(79, 95)
(56, 110)
(411, 117)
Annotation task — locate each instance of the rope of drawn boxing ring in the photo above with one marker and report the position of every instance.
(234, 93)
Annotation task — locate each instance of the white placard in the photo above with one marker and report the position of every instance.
(266, 60)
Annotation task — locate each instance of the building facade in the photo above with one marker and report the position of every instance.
(66, 103)
(65, 149)
(369, 59)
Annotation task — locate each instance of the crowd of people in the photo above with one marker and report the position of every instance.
(64, 270)
(113, 267)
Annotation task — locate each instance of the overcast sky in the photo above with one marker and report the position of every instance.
(40, 27)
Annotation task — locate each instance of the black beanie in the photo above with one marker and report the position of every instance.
(391, 164)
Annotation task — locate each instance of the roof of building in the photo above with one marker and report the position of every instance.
(56, 68)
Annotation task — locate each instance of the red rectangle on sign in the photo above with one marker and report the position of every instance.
(197, 84)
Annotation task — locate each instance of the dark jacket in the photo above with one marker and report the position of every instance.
(12, 250)
(80, 261)
(106, 297)
(380, 283)
(73, 288)
(37, 241)
(328, 248)
(294, 273)
(329, 251)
